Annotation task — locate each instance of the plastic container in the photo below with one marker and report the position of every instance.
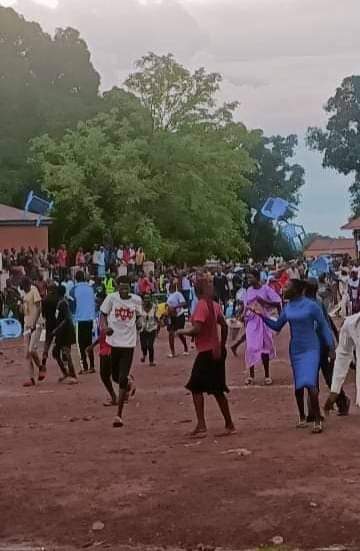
(10, 328)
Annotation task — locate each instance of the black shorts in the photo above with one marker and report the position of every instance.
(176, 323)
(121, 361)
(208, 375)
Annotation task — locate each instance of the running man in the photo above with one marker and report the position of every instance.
(120, 312)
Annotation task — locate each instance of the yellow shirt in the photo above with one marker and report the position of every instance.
(32, 301)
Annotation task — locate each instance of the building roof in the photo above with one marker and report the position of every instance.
(352, 224)
(10, 216)
(327, 246)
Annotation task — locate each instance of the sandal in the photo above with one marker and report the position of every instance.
(30, 382)
(268, 381)
(317, 428)
(226, 432)
(250, 381)
(118, 422)
(198, 433)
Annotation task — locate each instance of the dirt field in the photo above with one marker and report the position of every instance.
(63, 466)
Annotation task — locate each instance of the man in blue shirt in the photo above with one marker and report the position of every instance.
(84, 297)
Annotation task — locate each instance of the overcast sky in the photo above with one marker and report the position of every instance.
(281, 59)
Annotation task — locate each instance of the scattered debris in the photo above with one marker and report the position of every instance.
(202, 547)
(193, 445)
(97, 526)
(241, 452)
(277, 540)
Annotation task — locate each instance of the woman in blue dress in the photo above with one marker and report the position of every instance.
(306, 321)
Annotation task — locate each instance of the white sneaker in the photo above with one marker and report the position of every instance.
(171, 355)
(186, 353)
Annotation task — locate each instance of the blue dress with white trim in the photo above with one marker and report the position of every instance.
(306, 321)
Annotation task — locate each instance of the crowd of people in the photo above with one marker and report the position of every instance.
(121, 260)
(102, 307)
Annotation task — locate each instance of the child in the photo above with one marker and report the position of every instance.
(149, 329)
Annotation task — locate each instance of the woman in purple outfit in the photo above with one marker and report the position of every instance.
(259, 337)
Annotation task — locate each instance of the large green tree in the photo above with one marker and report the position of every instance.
(340, 141)
(177, 193)
(165, 166)
(46, 85)
(181, 101)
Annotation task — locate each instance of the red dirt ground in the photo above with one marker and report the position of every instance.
(63, 466)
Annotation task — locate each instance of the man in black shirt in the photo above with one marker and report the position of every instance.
(221, 288)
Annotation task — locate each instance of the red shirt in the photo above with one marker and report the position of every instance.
(126, 256)
(62, 258)
(206, 340)
(283, 279)
(105, 348)
(144, 286)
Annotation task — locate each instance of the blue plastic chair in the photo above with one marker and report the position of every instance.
(275, 208)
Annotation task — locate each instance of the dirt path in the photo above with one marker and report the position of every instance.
(63, 466)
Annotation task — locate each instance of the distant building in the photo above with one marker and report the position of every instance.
(324, 246)
(19, 229)
(354, 225)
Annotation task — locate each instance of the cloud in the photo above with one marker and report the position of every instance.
(120, 31)
(282, 59)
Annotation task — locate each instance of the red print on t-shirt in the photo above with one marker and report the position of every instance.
(124, 313)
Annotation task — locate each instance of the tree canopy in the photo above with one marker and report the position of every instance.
(157, 162)
(340, 141)
(176, 193)
(173, 95)
(47, 85)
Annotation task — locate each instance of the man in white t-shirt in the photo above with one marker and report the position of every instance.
(120, 312)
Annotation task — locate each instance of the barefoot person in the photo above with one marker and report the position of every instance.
(259, 338)
(32, 329)
(208, 374)
(306, 323)
(120, 312)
